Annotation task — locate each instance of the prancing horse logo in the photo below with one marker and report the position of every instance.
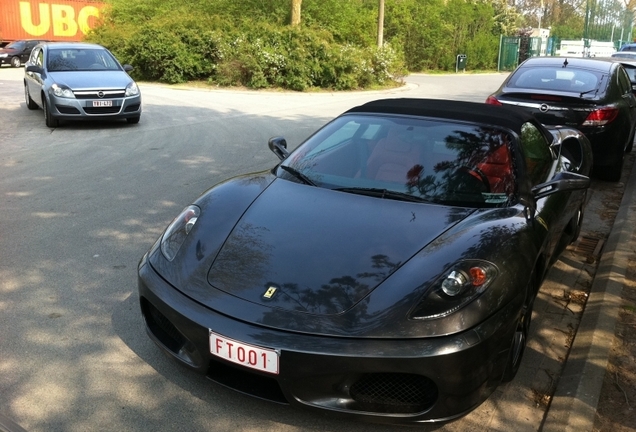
(271, 291)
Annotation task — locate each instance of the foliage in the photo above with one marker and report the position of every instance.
(250, 43)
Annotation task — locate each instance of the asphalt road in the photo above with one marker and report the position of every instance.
(80, 204)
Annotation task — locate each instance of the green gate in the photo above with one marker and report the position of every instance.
(508, 53)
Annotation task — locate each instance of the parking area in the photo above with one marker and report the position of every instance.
(83, 202)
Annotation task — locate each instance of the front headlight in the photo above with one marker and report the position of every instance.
(4, 55)
(178, 230)
(62, 91)
(457, 286)
(132, 89)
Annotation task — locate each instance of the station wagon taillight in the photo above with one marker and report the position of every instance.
(601, 116)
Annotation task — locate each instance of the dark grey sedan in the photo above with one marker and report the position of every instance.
(80, 81)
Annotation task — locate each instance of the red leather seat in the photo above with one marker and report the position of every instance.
(497, 168)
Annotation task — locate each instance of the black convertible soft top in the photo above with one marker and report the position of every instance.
(508, 117)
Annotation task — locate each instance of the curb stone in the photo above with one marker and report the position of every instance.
(574, 404)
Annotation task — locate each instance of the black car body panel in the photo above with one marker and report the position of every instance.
(17, 52)
(571, 92)
(346, 284)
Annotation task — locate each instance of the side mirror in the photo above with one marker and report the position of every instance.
(279, 146)
(563, 181)
(128, 68)
(34, 68)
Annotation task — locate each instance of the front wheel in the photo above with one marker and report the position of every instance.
(27, 97)
(518, 346)
(48, 118)
(133, 120)
(15, 62)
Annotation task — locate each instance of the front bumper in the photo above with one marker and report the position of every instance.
(84, 109)
(382, 380)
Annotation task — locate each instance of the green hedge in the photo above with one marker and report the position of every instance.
(254, 55)
(334, 48)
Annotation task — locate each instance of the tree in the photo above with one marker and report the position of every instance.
(380, 23)
(295, 12)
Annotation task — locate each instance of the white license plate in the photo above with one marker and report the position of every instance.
(102, 103)
(262, 359)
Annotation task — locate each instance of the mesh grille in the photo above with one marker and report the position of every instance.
(162, 328)
(394, 393)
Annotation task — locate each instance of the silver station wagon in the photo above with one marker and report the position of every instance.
(79, 81)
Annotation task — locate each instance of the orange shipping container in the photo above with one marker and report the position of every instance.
(54, 20)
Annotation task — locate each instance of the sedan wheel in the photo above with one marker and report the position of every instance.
(518, 346)
(15, 62)
(48, 119)
(27, 97)
(133, 120)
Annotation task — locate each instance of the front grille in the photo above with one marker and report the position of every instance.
(102, 110)
(161, 327)
(93, 94)
(246, 382)
(67, 109)
(393, 393)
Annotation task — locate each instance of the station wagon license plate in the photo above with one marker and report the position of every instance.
(262, 359)
(102, 103)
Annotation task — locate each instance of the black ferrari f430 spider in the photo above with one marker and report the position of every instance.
(385, 269)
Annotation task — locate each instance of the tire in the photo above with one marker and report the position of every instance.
(133, 120)
(15, 62)
(518, 345)
(611, 173)
(48, 118)
(27, 97)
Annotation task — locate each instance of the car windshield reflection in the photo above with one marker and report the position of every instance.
(410, 159)
(73, 59)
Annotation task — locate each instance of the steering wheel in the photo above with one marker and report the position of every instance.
(473, 179)
(96, 66)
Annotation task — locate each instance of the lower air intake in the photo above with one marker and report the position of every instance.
(394, 393)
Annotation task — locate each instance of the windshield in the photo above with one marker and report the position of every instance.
(556, 78)
(411, 159)
(18, 45)
(74, 59)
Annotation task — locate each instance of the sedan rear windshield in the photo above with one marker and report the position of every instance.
(73, 59)
(409, 159)
(556, 78)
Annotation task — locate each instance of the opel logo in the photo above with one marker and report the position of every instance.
(544, 108)
(100, 94)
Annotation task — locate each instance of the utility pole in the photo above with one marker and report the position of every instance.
(295, 12)
(380, 23)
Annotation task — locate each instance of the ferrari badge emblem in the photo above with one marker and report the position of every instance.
(270, 292)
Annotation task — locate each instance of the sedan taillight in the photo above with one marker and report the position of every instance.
(601, 116)
(493, 101)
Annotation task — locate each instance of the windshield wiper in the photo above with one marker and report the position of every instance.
(298, 175)
(384, 193)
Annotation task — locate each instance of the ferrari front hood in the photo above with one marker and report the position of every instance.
(318, 251)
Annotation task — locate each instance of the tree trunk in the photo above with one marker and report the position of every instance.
(380, 23)
(295, 12)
